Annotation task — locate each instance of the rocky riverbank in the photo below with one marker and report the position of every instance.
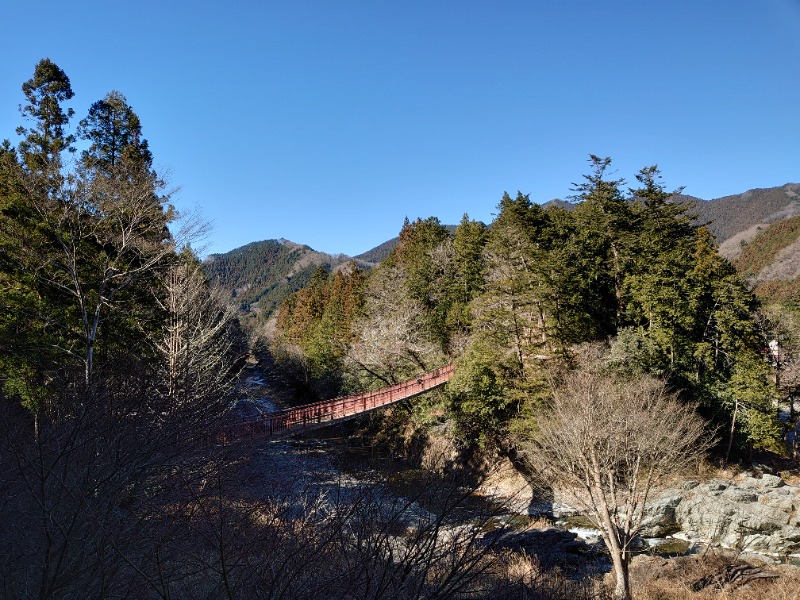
(749, 512)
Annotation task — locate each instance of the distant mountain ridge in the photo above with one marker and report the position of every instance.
(381, 252)
(759, 231)
(261, 275)
(759, 224)
(740, 217)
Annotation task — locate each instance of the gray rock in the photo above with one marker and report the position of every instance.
(755, 514)
(782, 503)
(771, 481)
(739, 496)
(659, 516)
(764, 482)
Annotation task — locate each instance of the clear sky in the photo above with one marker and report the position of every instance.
(327, 122)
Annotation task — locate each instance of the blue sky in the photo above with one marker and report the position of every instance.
(328, 122)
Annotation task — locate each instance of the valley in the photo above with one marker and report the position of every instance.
(602, 356)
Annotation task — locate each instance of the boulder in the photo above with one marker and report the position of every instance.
(755, 514)
(659, 516)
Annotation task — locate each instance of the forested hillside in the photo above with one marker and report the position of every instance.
(771, 261)
(261, 275)
(738, 218)
(514, 302)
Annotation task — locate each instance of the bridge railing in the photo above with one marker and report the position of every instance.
(327, 411)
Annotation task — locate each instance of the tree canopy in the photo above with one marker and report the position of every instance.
(510, 302)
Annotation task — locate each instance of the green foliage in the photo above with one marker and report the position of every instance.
(115, 134)
(468, 277)
(745, 399)
(318, 322)
(478, 398)
(85, 253)
(516, 309)
(764, 248)
(427, 272)
(636, 269)
(46, 139)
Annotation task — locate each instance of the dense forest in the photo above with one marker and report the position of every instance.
(119, 357)
(261, 275)
(513, 303)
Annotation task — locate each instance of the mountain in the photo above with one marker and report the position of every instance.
(736, 220)
(381, 252)
(758, 229)
(261, 275)
(558, 203)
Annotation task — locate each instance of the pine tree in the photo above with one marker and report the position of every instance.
(468, 277)
(425, 255)
(45, 141)
(96, 238)
(605, 223)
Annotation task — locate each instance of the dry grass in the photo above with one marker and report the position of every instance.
(790, 476)
(656, 578)
(541, 522)
(706, 469)
(523, 578)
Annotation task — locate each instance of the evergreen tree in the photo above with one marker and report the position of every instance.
(658, 289)
(115, 135)
(424, 256)
(605, 224)
(517, 306)
(96, 242)
(45, 141)
(468, 277)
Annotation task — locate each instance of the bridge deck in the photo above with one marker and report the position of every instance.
(311, 416)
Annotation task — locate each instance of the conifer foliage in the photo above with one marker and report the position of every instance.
(511, 302)
(115, 355)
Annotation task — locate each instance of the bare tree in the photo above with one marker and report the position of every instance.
(607, 443)
(392, 343)
(201, 344)
(301, 532)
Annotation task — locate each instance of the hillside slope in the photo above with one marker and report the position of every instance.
(261, 275)
(771, 261)
(741, 217)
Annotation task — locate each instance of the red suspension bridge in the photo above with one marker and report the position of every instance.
(311, 416)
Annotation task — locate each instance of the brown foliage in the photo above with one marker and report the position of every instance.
(608, 442)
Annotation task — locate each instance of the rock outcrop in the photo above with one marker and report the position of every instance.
(759, 514)
(750, 514)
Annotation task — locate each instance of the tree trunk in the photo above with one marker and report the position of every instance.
(733, 430)
(622, 587)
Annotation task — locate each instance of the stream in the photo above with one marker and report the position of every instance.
(330, 462)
